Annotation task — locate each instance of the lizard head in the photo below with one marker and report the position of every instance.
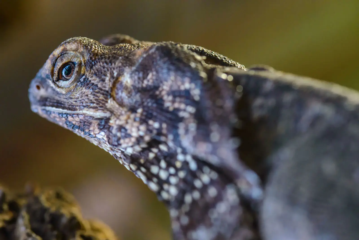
(73, 88)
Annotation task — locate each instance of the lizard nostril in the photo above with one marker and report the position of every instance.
(38, 87)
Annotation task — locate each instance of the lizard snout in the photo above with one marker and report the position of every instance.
(35, 90)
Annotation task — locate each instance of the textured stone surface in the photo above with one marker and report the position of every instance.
(46, 214)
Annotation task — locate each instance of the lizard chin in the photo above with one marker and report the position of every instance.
(35, 109)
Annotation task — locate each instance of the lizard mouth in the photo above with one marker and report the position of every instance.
(88, 112)
(45, 106)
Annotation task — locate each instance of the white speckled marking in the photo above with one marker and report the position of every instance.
(184, 220)
(173, 190)
(178, 164)
(165, 195)
(172, 170)
(153, 186)
(173, 213)
(163, 174)
(198, 183)
(163, 147)
(180, 157)
(133, 167)
(205, 179)
(173, 180)
(196, 195)
(151, 155)
(212, 192)
(188, 198)
(129, 150)
(193, 165)
(181, 174)
(142, 176)
(154, 169)
(163, 164)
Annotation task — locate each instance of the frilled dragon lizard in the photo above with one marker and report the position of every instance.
(234, 153)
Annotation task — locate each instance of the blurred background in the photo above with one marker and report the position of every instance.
(315, 38)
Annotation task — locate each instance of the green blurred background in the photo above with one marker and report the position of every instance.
(314, 38)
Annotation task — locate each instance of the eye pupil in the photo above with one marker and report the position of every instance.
(67, 71)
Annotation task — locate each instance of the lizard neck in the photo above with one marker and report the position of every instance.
(200, 198)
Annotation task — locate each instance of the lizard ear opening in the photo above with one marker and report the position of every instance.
(67, 70)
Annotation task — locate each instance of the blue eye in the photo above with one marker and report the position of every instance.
(66, 71)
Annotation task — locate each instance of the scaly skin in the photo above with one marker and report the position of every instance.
(207, 135)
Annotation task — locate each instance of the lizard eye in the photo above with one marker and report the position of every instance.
(66, 71)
